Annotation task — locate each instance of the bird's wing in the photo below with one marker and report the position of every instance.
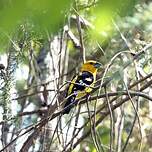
(72, 85)
(81, 83)
(78, 88)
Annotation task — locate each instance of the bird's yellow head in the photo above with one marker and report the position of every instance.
(91, 66)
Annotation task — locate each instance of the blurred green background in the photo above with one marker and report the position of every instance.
(42, 45)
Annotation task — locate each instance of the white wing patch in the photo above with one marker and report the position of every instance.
(88, 79)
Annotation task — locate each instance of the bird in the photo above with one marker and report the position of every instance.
(81, 84)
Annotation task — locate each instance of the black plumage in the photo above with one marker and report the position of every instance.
(84, 79)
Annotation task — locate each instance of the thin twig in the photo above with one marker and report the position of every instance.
(111, 121)
(82, 48)
(93, 129)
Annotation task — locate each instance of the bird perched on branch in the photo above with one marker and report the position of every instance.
(81, 84)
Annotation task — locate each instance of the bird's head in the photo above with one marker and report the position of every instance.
(91, 66)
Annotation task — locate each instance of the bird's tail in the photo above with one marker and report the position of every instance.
(68, 104)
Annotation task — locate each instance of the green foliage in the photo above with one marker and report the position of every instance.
(104, 134)
(106, 12)
(20, 85)
(45, 13)
(29, 23)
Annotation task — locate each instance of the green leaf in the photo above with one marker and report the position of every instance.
(108, 10)
(47, 14)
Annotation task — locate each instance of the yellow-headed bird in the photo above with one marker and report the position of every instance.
(82, 83)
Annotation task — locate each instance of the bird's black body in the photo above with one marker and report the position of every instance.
(84, 79)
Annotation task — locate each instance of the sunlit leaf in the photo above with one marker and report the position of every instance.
(106, 12)
(47, 14)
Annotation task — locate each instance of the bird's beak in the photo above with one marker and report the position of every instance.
(97, 65)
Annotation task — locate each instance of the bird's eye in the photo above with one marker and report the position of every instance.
(91, 63)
